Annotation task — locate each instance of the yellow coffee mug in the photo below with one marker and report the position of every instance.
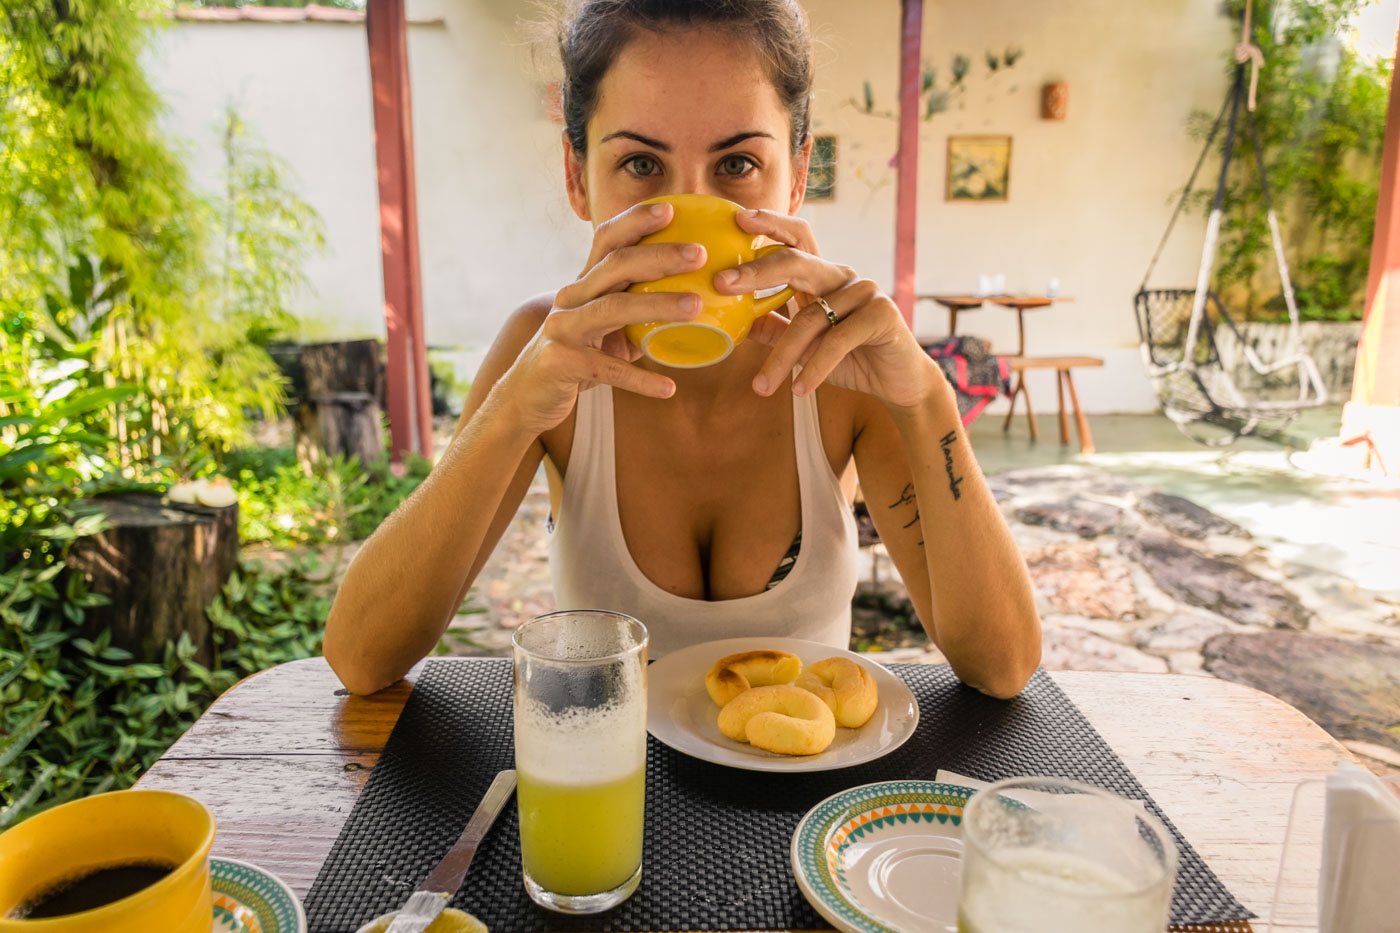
(726, 319)
(118, 828)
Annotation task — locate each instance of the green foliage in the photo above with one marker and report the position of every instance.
(343, 4)
(266, 232)
(81, 716)
(1322, 132)
(114, 259)
(282, 504)
(266, 617)
(936, 99)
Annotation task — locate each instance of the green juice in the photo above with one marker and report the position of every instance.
(579, 839)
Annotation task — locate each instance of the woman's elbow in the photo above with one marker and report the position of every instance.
(1003, 674)
(1010, 679)
(347, 663)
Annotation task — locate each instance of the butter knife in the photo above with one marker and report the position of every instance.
(437, 889)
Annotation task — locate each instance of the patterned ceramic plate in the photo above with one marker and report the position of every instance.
(681, 714)
(248, 899)
(884, 858)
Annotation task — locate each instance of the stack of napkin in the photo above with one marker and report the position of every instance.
(1357, 890)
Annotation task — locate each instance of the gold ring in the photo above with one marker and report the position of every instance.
(831, 317)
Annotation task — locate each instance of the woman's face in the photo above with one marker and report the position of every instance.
(686, 112)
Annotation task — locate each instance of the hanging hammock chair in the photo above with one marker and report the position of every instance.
(1183, 330)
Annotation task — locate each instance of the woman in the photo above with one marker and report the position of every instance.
(683, 496)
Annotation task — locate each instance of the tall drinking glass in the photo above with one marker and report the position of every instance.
(1043, 855)
(580, 757)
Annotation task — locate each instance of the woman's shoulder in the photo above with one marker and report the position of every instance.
(519, 329)
(526, 320)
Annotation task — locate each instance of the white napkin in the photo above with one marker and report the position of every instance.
(1357, 892)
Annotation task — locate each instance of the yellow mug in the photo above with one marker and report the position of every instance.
(725, 319)
(123, 827)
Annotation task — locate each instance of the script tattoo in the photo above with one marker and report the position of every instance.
(953, 480)
(906, 497)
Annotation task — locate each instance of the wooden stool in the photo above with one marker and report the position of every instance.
(1062, 366)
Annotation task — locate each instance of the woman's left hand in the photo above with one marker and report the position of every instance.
(869, 349)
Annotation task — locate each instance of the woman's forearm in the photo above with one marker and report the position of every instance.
(983, 610)
(402, 588)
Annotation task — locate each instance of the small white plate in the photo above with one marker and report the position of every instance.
(249, 899)
(884, 858)
(681, 714)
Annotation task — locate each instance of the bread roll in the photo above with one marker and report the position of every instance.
(779, 718)
(845, 686)
(735, 673)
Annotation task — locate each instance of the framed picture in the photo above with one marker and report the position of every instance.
(979, 168)
(821, 169)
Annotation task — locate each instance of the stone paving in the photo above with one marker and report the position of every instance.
(1127, 578)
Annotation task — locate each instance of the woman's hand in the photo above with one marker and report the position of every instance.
(869, 349)
(581, 343)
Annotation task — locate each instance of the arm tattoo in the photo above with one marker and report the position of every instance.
(906, 497)
(953, 481)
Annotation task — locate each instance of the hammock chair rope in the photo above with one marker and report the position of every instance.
(1187, 371)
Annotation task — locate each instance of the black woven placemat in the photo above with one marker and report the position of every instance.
(716, 840)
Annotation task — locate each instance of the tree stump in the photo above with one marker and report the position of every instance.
(345, 366)
(347, 423)
(341, 412)
(161, 566)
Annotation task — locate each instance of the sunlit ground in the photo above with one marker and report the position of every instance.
(1295, 503)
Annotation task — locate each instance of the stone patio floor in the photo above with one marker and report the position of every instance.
(1152, 555)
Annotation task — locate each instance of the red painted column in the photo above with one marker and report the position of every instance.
(1372, 416)
(410, 406)
(907, 179)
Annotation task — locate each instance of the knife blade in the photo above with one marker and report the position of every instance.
(443, 881)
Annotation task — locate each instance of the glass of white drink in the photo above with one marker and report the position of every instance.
(580, 757)
(1044, 855)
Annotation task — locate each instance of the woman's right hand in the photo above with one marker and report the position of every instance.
(581, 343)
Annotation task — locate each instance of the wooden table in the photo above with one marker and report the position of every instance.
(954, 304)
(1018, 303)
(281, 757)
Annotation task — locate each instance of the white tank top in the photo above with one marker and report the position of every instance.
(592, 568)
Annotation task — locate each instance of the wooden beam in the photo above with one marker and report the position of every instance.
(408, 398)
(1373, 414)
(907, 179)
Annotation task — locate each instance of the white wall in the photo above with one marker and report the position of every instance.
(1089, 196)
(303, 89)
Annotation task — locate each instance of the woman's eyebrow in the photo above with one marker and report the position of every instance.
(638, 137)
(723, 144)
(737, 138)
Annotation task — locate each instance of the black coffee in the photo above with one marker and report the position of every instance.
(94, 890)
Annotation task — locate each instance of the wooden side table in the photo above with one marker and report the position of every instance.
(1021, 304)
(954, 304)
(1062, 366)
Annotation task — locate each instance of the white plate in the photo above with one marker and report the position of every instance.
(681, 714)
(884, 858)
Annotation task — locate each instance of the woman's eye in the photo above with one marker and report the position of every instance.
(643, 165)
(735, 165)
